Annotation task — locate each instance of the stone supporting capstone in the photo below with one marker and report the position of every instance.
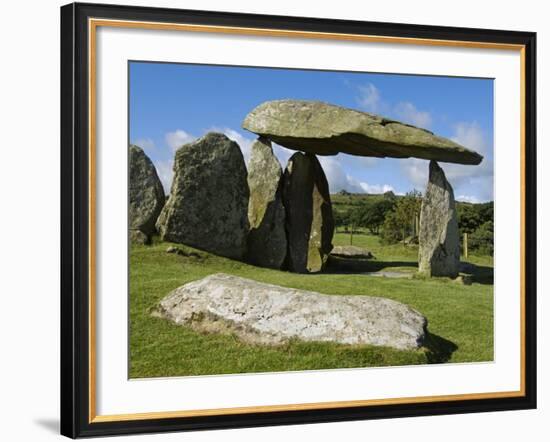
(439, 242)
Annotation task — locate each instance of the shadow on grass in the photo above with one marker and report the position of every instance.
(480, 274)
(354, 265)
(439, 350)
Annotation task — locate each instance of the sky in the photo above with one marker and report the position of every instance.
(172, 104)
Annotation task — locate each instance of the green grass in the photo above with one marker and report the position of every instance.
(460, 318)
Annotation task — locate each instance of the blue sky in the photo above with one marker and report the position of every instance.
(172, 104)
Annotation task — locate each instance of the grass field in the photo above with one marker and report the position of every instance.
(460, 318)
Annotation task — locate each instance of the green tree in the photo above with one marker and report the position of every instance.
(468, 218)
(482, 239)
(340, 218)
(372, 215)
(477, 221)
(403, 219)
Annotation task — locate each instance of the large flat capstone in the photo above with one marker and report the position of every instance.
(325, 129)
(271, 315)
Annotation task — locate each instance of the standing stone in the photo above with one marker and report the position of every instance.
(309, 221)
(208, 203)
(138, 237)
(146, 196)
(439, 242)
(266, 214)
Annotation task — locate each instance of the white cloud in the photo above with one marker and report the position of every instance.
(369, 98)
(467, 198)
(144, 143)
(463, 178)
(376, 188)
(282, 153)
(165, 172)
(416, 171)
(178, 138)
(339, 180)
(470, 135)
(408, 113)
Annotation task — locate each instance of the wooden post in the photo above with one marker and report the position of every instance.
(465, 245)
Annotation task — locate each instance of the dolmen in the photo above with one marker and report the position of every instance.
(317, 128)
(281, 217)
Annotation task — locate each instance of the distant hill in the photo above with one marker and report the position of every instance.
(343, 201)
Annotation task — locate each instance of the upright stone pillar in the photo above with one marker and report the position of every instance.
(439, 242)
(309, 220)
(267, 244)
(208, 204)
(146, 196)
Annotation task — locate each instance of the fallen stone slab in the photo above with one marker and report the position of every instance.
(389, 274)
(268, 314)
(351, 252)
(180, 252)
(326, 129)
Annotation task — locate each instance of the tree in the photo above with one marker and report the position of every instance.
(482, 239)
(402, 221)
(340, 218)
(372, 215)
(472, 216)
(477, 221)
(468, 218)
(391, 229)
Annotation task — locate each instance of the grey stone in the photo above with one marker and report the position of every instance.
(326, 129)
(439, 241)
(208, 203)
(180, 252)
(266, 214)
(138, 237)
(146, 195)
(351, 252)
(464, 279)
(268, 314)
(309, 220)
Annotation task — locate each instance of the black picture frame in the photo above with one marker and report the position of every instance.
(75, 219)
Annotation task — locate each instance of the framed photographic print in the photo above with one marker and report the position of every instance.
(274, 220)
